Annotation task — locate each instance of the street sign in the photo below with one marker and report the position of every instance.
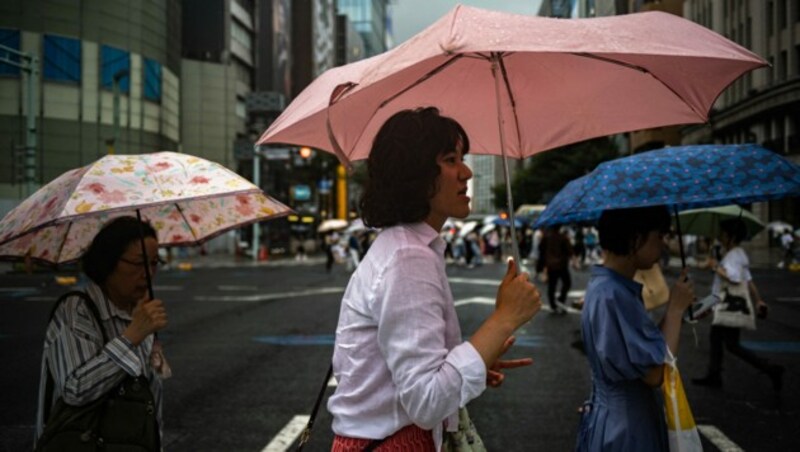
(324, 186)
(301, 192)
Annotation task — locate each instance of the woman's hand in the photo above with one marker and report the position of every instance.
(682, 293)
(517, 298)
(147, 317)
(495, 376)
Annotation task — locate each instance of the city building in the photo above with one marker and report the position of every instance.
(218, 68)
(108, 80)
(764, 105)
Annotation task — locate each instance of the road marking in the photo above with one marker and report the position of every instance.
(717, 438)
(235, 288)
(481, 282)
(788, 299)
(167, 288)
(772, 346)
(297, 339)
(53, 298)
(272, 296)
(286, 437)
(15, 289)
(475, 300)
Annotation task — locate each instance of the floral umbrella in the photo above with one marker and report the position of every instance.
(188, 200)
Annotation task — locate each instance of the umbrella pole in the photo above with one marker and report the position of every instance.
(509, 196)
(680, 238)
(680, 249)
(146, 259)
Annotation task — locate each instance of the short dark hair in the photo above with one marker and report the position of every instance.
(402, 168)
(110, 244)
(621, 230)
(735, 228)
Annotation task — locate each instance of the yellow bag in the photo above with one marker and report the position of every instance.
(682, 431)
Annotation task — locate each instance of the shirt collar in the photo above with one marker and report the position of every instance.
(104, 305)
(633, 286)
(428, 236)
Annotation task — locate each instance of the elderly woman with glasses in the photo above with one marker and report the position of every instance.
(84, 360)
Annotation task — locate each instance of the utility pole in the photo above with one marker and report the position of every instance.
(257, 182)
(29, 64)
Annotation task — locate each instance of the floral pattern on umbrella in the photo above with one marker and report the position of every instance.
(187, 199)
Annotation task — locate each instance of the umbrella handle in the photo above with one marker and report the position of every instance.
(145, 257)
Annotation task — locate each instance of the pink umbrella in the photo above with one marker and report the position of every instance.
(549, 82)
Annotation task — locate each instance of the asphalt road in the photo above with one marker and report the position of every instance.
(249, 347)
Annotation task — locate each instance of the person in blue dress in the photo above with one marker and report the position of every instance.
(625, 349)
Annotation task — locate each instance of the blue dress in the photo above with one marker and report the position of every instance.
(622, 344)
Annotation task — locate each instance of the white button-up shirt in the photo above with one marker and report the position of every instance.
(399, 357)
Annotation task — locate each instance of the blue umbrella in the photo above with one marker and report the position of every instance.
(681, 177)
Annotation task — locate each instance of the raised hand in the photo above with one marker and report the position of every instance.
(148, 317)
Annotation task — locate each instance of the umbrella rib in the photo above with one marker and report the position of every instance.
(64, 241)
(177, 206)
(511, 98)
(645, 71)
(428, 75)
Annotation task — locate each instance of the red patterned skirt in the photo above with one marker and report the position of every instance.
(408, 439)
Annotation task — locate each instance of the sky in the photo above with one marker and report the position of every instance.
(412, 16)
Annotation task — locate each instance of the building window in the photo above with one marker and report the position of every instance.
(783, 65)
(9, 38)
(62, 59)
(240, 108)
(770, 19)
(114, 61)
(152, 80)
(241, 35)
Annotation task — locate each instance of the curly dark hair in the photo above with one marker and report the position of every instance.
(402, 168)
(621, 231)
(108, 246)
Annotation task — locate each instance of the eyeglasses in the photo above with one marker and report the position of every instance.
(154, 264)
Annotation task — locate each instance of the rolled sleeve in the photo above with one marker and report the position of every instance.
(468, 363)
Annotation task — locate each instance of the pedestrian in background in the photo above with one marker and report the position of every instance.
(734, 268)
(404, 372)
(625, 349)
(555, 255)
(787, 243)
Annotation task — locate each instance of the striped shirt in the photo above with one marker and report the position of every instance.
(83, 368)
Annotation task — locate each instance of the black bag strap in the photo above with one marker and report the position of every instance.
(48, 388)
(306, 435)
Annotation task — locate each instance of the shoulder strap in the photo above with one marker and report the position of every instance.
(48, 389)
(304, 437)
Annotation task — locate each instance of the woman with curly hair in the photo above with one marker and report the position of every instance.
(402, 368)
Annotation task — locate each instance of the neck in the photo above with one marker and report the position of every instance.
(116, 299)
(434, 222)
(620, 264)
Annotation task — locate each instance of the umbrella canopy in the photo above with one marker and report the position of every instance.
(332, 224)
(551, 81)
(682, 177)
(779, 226)
(186, 199)
(705, 221)
(467, 228)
